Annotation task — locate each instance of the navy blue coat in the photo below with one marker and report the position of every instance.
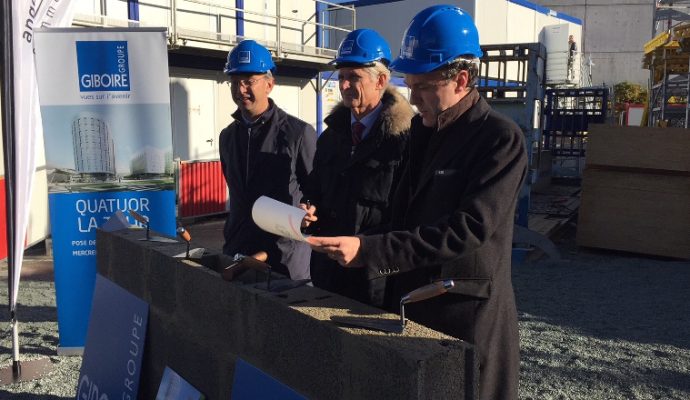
(351, 188)
(273, 158)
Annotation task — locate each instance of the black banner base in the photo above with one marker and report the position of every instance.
(25, 371)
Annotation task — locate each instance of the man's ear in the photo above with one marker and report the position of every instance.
(462, 79)
(382, 82)
(269, 84)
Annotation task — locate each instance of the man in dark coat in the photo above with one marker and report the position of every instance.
(264, 152)
(352, 179)
(453, 211)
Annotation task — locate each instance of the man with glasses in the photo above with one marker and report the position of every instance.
(453, 211)
(264, 151)
(358, 158)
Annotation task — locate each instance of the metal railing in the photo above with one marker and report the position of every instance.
(222, 20)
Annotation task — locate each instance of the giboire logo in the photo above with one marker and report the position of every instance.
(103, 66)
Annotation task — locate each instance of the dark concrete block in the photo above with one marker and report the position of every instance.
(200, 324)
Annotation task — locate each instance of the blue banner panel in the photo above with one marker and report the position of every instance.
(115, 344)
(251, 383)
(74, 218)
(103, 65)
(174, 387)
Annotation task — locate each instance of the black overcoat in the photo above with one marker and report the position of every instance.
(452, 218)
(351, 186)
(273, 157)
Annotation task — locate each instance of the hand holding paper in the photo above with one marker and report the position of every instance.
(310, 216)
(342, 249)
(278, 218)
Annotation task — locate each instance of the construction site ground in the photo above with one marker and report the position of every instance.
(595, 324)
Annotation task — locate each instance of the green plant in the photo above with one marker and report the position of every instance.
(626, 92)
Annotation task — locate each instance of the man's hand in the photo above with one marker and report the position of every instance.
(309, 217)
(342, 249)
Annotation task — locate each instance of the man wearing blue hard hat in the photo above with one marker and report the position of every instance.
(358, 158)
(453, 211)
(264, 151)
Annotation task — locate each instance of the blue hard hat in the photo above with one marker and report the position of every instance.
(249, 57)
(362, 47)
(436, 36)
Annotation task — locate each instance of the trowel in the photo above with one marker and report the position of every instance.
(241, 263)
(258, 263)
(190, 254)
(144, 221)
(394, 325)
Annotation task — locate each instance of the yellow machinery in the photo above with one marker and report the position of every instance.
(667, 56)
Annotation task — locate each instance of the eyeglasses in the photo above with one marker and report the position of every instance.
(244, 82)
(427, 86)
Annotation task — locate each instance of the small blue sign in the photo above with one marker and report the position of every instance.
(114, 348)
(103, 66)
(251, 383)
(74, 218)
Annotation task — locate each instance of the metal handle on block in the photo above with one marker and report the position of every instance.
(423, 293)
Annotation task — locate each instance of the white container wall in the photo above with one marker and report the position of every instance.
(193, 108)
(201, 106)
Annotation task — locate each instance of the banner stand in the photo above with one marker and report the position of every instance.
(108, 141)
(25, 371)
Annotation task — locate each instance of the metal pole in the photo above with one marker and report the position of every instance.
(173, 22)
(279, 46)
(8, 145)
(687, 93)
(663, 88)
(104, 11)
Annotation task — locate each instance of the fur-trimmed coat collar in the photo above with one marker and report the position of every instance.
(395, 116)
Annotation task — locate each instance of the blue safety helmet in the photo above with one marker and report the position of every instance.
(436, 36)
(362, 47)
(249, 57)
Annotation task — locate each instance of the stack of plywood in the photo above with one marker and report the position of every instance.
(636, 191)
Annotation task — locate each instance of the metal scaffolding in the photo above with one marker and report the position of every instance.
(567, 115)
(512, 79)
(298, 34)
(667, 56)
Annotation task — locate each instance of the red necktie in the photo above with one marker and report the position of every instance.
(357, 131)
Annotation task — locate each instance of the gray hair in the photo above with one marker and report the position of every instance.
(471, 65)
(377, 69)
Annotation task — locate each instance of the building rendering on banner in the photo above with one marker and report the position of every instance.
(149, 161)
(94, 150)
